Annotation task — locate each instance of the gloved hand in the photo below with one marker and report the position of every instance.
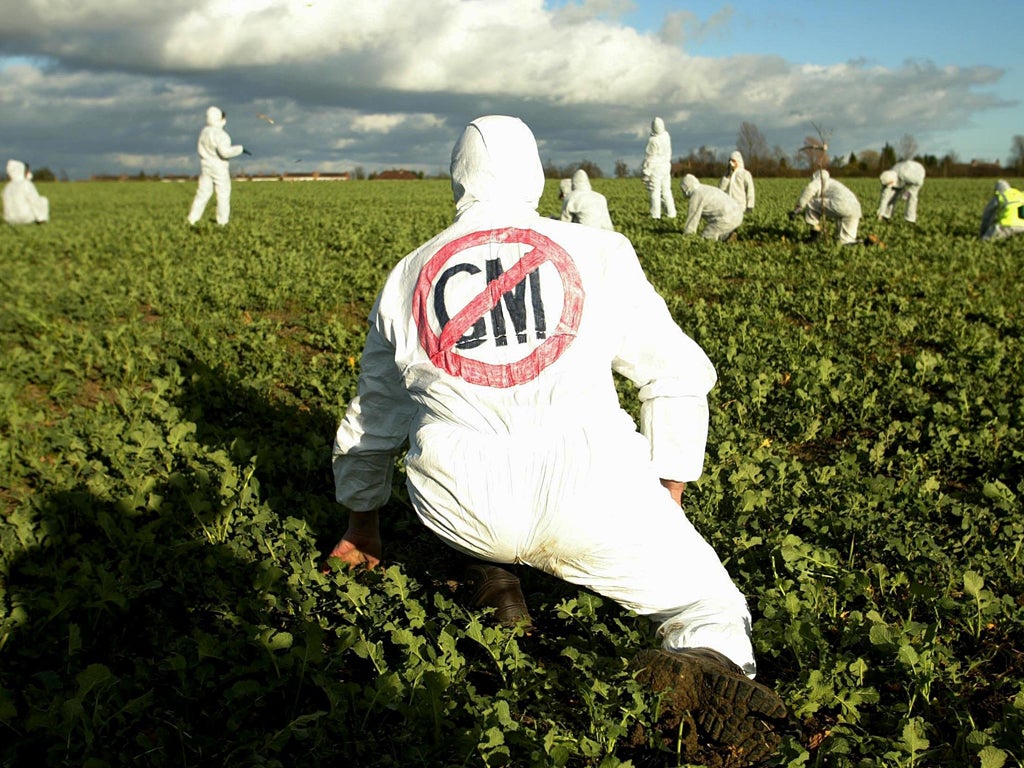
(246, 151)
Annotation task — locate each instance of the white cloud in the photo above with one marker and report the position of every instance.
(391, 82)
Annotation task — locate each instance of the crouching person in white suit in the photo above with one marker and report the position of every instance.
(585, 206)
(215, 150)
(721, 214)
(490, 352)
(22, 202)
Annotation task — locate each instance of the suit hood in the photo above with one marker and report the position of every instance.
(496, 160)
(580, 180)
(215, 116)
(15, 170)
(657, 126)
(738, 157)
(689, 184)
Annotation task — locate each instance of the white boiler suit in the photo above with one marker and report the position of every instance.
(839, 204)
(22, 202)
(904, 180)
(215, 149)
(656, 170)
(739, 183)
(585, 206)
(721, 213)
(490, 350)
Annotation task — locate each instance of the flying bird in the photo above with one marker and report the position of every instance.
(261, 116)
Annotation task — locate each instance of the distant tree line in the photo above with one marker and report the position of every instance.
(762, 160)
(706, 162)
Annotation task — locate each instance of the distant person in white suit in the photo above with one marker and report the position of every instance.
(215, 149)
(903, 181)
(585, 206)
(738, 183)
(22, 202)
(722, 215)
(656, 170)
(1004, 214)
(837, 203)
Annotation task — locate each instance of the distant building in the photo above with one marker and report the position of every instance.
(396, 174)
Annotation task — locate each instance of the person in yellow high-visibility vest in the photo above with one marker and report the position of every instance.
(1004, 214)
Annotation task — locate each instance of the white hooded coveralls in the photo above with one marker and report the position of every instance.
(491, 350)
(585, 206)
(215, 149)
(738, 183)
(991, 228)
(903, 180)
(840, 205)
(656, 170)
(722, 214)
(22, 202)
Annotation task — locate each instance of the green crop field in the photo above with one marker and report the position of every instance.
(169, 398)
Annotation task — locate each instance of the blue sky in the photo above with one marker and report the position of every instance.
(944, 32)
(121, 86)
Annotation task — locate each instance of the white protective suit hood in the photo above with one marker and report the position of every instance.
(657, 126)
(821, 175)
(689, 184)
(215, 116)
(496, 161)
(739, 160)
(889, 178)
(580, 180)
(15, 170)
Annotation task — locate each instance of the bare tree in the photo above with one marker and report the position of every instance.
(621, 169)
(752, 144)
(816, 149)
(906, 147)
(1017, 153)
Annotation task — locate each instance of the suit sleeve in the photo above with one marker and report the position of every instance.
(673, 374)
(374, 429)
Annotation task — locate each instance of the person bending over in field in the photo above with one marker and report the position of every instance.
(824, 197)
(721, 214)
(490, 352)
(22, 202)
(215, 150)
(903, 181)
(1003, 215)
(585, 206)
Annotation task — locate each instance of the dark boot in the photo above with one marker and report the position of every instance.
(495, 587)
(728, 707)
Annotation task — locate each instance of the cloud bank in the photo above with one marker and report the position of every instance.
(92, 86)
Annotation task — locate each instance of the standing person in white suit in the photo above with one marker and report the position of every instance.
(656, 170)
(490, 351)
(585, 206)
(215, 150)
(837, 202)
(738, 183)
(22, 202)
(903, 181)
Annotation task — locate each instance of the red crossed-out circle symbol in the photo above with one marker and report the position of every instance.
(441, 347)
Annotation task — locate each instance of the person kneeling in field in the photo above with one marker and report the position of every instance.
(824, 197)
(1003, 215)
(585, 206)
(722, 214)
(22, 202)
(490, 352)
